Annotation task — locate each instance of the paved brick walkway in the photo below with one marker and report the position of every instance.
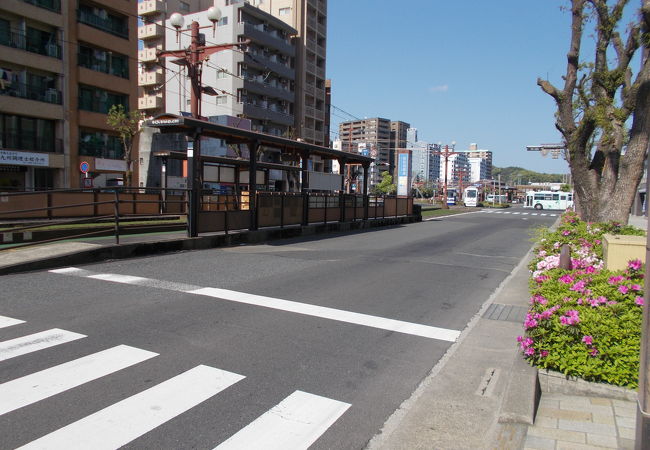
(578, 422)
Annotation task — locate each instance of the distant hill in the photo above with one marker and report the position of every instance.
(519, 175)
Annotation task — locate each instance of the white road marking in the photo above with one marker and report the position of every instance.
(35, 342)
(122, 422)
(533, 214)
(37, 386)
(8, 321)
(295, 423)
(291, 306)
(543, 214)
(515, 213)
(524, 214)
(332, 314)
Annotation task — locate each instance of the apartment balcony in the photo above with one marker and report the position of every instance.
(311, 22)
(257, 34)
(319, 115)
(322, 29)
(265, 63)
(260, 112)
(307, 133)
(150, 102)
(32, 92)
(310, 89)
(52, 5)
(320, 51)
(311, 67)
(147, 55)
(20, 41)
(148, 7)
(151, 31)
(320, 72)
(151, 78)
(322, 7)
(310, 44)
(268, 90)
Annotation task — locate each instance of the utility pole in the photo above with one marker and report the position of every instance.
(193, 58)
(446, 154)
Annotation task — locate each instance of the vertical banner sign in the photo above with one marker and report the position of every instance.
(403, 174)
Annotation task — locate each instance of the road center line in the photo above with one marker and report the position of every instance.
(8, 321)
(283, 305)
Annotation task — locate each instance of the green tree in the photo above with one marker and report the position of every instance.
(385, 186)
(128, 127)
(603, 109)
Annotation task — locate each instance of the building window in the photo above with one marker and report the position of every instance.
(26, 133)
(223, 21)
(221, 100)
(183, 6)
(222, 74)
(101, 145)
(284, 11)
(100, 101)
(103, 61)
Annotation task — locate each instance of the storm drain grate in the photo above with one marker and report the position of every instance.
(510, 313)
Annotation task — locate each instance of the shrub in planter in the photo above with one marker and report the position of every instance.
(584, 322)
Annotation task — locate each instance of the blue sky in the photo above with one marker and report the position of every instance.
(461, 71)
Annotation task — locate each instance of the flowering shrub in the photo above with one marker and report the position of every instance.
(585, 321)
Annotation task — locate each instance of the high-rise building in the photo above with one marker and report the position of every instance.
(475, 152)
(257, 84)
(62, 66)
(458, 169)
(478, 169)
(426, 159)
(370, 137)
(309, 18)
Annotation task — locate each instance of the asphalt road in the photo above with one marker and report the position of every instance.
(171, 352)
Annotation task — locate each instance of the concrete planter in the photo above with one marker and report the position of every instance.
(556, 382)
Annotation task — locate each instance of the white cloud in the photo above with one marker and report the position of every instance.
(440, 88)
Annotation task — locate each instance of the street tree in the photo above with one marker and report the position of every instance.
(385, 186)
(128, 126)
(603, 109)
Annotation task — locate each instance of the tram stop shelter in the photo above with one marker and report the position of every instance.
(294, 157)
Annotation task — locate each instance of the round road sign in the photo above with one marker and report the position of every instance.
(84, 166)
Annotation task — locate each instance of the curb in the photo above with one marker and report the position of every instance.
(558, 383)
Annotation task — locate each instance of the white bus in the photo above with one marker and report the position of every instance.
(470, 196)
(493, 198)
(548, 200)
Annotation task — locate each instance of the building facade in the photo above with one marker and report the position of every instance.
(426, 158)
(478, 169)
(458, 170)
(63, 64)
(309, 18)
(398, 140)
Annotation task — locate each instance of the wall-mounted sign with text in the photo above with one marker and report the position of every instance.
(24, 158)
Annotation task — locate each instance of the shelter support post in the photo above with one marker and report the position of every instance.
(366, 168)
(304, 186)
(252, 184)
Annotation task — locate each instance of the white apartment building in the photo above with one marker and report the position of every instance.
(458, 169)
(425, 162)
(478, 169)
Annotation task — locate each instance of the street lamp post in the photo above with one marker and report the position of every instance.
(193, 58)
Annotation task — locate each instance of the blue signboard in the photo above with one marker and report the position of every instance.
(403, 165)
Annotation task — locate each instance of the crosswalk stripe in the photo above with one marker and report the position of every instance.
(295, 423)
(524, 214)
(543, 214)
(8, 321)
(514, 213)
(122, 422)
(533, 214)
(37, 386)
(36, 341)
(323, 312)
